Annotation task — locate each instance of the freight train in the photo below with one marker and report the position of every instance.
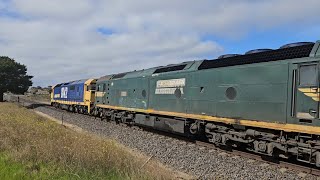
(266, 100)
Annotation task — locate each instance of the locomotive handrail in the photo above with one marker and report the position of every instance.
(293, 96)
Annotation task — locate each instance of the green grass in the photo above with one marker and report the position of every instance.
(33, 147)
(12, 170)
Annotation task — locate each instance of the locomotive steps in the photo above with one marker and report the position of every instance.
(32, 146)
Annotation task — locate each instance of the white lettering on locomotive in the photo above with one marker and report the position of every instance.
(123, 93)
(169, 86)
(171, 83)
(64, 92)
(167, 90)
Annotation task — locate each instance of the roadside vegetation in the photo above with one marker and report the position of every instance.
(13, 77)
(39, 97)
(33, 147)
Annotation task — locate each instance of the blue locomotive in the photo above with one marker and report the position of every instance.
(76, 96)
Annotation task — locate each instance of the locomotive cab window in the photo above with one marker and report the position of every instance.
(308, 75)
(72, 88)
(91, 87)
(100, 88)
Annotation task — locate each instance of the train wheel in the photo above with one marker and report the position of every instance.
(71, 108)
(81, 110)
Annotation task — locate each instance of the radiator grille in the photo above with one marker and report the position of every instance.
(274, 55)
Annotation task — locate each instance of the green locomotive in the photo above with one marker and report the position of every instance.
(266, 101)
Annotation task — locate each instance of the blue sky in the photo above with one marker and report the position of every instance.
(272, 38)
(105, 31)
(68, 40)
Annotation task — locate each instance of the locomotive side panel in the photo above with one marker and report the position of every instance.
(253, 92)
(131, 92)
(202, 94)
(168, 92)
(69, 93)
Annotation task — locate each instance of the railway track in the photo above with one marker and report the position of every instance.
(282, 163)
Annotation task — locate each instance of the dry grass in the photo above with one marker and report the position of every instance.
(35, 141)
(39, 97)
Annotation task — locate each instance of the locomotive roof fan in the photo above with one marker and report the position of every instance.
(295, 44)
(257, 51)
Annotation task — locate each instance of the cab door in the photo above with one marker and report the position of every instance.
(307, 92)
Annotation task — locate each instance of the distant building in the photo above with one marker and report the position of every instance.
(7, 97)
(32, 90)
(38, 90)
(42, 92)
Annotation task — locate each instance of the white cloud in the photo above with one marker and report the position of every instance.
(59, 9)
(58, 40)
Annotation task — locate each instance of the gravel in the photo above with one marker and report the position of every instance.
(179, 155)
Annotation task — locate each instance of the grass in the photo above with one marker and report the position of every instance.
(10, 169)
(33, 147)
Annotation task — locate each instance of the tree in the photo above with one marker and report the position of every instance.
(50, 89)
(13, 77)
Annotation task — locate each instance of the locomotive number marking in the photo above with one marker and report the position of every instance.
(167, 90)
(171, 83)
(64, 92)
(123, 93)
(100, 94)
(170, 86)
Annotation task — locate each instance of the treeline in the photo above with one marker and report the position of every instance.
(13, 77)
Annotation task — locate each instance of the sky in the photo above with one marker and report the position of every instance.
(64, 40)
